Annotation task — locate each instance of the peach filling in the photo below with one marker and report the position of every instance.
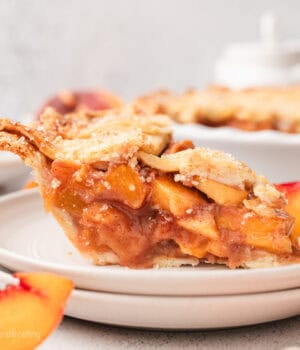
(140, 214)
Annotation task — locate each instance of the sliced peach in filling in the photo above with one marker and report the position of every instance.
(220, 193)
(218, 248)
(63, 171)
(246, 227)
(190, 243)
(174, 197)
(217, 228)
(201, 223)
(70, 201)
(267, 233)
(198, 250)
(124, 184)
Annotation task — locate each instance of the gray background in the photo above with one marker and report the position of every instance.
(128, 46)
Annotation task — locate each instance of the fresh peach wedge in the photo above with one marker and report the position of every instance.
(292, 193)
(31, 308)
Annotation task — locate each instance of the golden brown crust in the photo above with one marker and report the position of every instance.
(19, 145)
(122, 135)
(91, 138)
(249, 109)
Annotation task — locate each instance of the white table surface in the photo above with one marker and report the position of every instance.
(76, 334)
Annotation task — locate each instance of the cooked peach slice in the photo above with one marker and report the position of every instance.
(197, 250)
(199, 223)
(31, 310)
(174, 197)
(217, 248)
(230, 218)
(292, 193)
(220, 193)
(125, 185)
(266, 233)
(254, 230)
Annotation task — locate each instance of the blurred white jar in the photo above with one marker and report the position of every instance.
(266, 62)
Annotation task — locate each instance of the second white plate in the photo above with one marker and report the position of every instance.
(31, 240)
(170, 312)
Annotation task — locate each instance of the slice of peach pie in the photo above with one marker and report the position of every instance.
(126, 194)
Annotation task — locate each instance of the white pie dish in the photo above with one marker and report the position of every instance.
(270, 153)
(31, 240)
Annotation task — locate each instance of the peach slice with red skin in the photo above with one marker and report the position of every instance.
(30, 311)
(292, 193)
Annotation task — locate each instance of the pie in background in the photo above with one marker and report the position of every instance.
(254, 109)
(125, 193)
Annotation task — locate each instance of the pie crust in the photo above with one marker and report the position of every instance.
(249, 109)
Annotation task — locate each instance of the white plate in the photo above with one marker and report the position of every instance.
(167, 312)
(12, 169)
(270, 153)
(31, 240)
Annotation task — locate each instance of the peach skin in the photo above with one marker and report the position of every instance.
(31, 309)
(292, 193)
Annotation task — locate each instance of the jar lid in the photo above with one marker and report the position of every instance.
(269, 50)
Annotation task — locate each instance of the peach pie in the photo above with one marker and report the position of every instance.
(126, 194)
(248, 109)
